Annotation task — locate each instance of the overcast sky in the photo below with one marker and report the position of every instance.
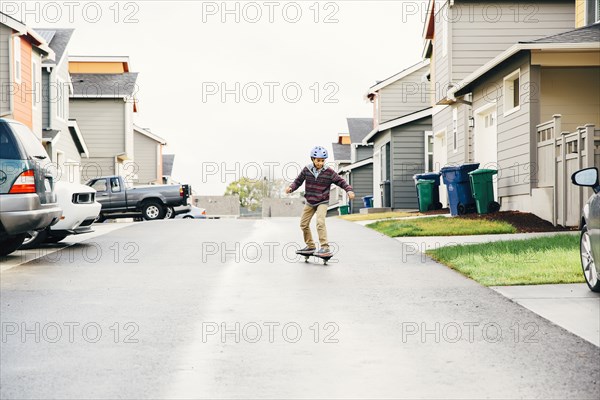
(185, 53)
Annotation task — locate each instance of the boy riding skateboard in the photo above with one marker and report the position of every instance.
(318, 181)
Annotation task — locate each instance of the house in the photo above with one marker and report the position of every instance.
(22, 51)
(402, 136)
(359, 173)
(460, 37)
(167, 168)
(148, 148)
(341, 158)
(103, 104)
(60, 135)
(546, 124)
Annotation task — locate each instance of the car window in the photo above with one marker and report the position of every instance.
(31, 144)
(100, 185)
(9, 149)
(115, 186)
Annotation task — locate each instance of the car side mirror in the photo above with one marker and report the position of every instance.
(587, 177)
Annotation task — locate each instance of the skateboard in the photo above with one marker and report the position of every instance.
(307, 255)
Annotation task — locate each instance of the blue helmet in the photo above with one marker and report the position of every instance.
(319, 152)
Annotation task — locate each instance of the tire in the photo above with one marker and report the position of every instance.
(462, 210)
(100, 219)
(10, 244)
(588, 265)
(153, 210)
(439, 206)
(33, 239)
(169, 213)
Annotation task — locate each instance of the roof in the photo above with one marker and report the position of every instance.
(584, 39)
(58, 40)
(341, 152)
(78, 138)
(35, 38)
(402, 74)
(586, 34)
(146, 132)
(405, 119)
(359, 128)
(168, 160)
(104, 85)
(49, 135)
(358, 164)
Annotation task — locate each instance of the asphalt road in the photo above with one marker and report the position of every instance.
(224, 309)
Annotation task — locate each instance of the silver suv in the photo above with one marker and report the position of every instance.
(27, 199)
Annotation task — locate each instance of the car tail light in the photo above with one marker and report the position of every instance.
(181, 191)
(204, 212)
(25, 183)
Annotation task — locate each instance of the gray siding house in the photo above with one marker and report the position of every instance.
(62, 137)
(360, 172)
(148, 156)
(546, 120)
(401, 137)
(460, 37)
(341, 159)
(103, 105)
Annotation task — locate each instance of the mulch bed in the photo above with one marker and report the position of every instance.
(524, 222)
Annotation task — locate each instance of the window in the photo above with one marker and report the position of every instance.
(17, 54)
(9, 149)
(385, 161)
(592, 11)
(60, 99)
(429, 151)
(511, 93)
(34, 83)
(100, 185)
(115, 186)
(455, 129)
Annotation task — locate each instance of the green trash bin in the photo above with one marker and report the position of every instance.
(344, 210)
(482, 186)
(425, 191)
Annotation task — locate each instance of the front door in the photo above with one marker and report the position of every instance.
(485, 140)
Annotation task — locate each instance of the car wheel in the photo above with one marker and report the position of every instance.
(11, 244)
(153, 210)
(33, 239)
(170, 213)
(100, 218)
(587, 261)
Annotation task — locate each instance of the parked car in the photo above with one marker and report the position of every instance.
(27, 197)
(152, 201)
(590, 227)
(172, 212)
(194, 213)
(80, 210)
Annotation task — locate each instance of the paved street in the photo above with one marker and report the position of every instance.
(224, 309)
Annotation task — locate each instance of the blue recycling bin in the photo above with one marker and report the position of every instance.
(431, 176)
(368, 201)
(458, 184)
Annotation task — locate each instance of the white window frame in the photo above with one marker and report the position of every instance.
(60, 100)
(428, 136)
(34, 83)
(509, 80)
(18, 67)
(454, 129)
(596, 10)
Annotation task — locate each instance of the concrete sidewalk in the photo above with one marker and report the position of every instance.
(571, 306)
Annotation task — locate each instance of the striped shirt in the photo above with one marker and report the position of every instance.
(317, 188)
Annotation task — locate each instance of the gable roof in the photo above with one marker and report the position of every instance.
(357, 164)
(148, 134)
(35, 38)
(402, 74)
(585, 39)
(359, 128)
(58, 40)
(168, 160)
(405, 119)
(104, 85)
(341, 152)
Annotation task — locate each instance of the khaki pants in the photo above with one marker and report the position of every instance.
(307, 214)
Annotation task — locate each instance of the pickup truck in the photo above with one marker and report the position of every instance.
(152, 201)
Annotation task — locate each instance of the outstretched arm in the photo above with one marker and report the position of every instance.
(296, 184)
(341, 182)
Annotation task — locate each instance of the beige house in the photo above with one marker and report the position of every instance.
(148, 155)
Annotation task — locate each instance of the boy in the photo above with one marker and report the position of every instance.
(318, 183)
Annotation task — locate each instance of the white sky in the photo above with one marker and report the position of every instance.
(177, 49)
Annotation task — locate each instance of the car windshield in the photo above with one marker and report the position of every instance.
(31, 144)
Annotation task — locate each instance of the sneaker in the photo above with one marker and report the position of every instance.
(323, 252)
(307, 250)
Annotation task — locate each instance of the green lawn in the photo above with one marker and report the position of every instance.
(441, 226)
(518, 262)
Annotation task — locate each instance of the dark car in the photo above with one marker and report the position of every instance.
(590, 227)
(27, 198)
